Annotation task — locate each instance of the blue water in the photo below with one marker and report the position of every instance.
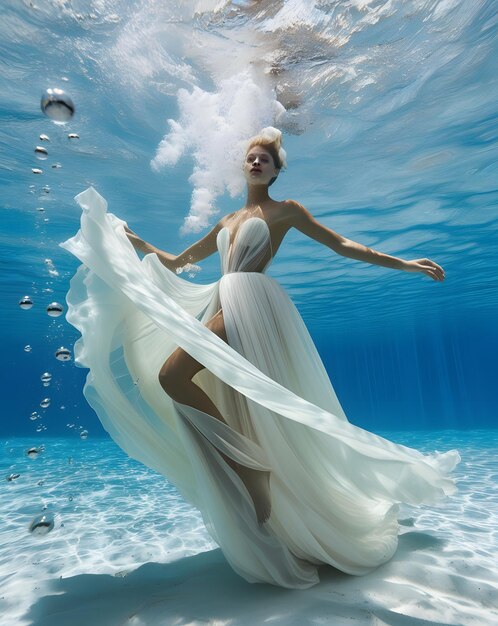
(389, 119)
(389, 113)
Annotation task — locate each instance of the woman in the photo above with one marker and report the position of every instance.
(220, 388)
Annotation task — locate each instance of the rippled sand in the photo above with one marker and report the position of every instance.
(125, 549)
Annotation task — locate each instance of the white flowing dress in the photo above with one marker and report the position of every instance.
(335, 488)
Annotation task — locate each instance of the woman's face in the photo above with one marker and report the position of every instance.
(259, 167)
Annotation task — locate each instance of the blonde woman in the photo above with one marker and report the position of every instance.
(220, 388)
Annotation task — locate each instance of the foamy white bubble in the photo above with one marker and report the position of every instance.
(214, 127)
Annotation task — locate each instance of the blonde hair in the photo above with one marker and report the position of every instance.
(270, 138)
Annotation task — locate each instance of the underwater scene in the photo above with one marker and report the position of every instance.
(389, 118)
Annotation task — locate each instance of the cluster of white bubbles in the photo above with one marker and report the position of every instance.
(190, 269)
(59, 107)
(51, 267)
(54, 309)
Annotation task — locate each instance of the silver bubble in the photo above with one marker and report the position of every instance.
(63, 354)
(34, 416)
(42, 524)
(33, 452)
(27, 348)
(73, 136)
(45, 403)
(41, 209)
(12, 477)
(39, 428)
(41, 153)
(56, 166)
(36, 170)
(25, 303)
(44, 138)
(57, 105)
(55, 309)
(84, 434)
(46, 377)
(46, 189)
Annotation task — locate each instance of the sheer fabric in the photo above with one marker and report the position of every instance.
(334, 487)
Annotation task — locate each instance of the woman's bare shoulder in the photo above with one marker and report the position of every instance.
(293, 212)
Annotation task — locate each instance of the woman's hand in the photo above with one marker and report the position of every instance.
(425, 266)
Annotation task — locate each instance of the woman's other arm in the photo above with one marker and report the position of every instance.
(302, 220)
(196, 252)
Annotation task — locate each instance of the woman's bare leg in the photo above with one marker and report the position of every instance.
(176, 379)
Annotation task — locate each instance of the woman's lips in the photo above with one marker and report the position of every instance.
(255, 169)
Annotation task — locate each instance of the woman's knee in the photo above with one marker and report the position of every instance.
(165, 375)
(177, 372)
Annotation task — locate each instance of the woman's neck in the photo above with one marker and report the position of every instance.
(256, 194)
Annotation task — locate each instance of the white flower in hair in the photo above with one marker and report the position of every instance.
(274, 135)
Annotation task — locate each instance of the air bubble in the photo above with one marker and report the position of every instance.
(33, 452)
(46, 377)
(12, 477)
(63, 354)
(57, 105)
(73, 136)
(45, 403)
(25, 303)
(44, 137)
(55, 309)
(41, 153)
(27, 348)
(41, 524)
(84, 434)
(36, 170)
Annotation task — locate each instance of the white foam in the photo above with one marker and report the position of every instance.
(213, 127)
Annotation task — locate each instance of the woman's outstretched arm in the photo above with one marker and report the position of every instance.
(302, 220)
(196, 252)
(167, 259)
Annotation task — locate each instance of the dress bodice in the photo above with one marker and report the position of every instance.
(251, 249)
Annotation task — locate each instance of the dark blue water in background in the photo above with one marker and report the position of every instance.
(390, 125)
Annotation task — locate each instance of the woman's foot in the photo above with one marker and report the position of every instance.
(257, 484)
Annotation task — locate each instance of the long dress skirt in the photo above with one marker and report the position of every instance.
(335, 488)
